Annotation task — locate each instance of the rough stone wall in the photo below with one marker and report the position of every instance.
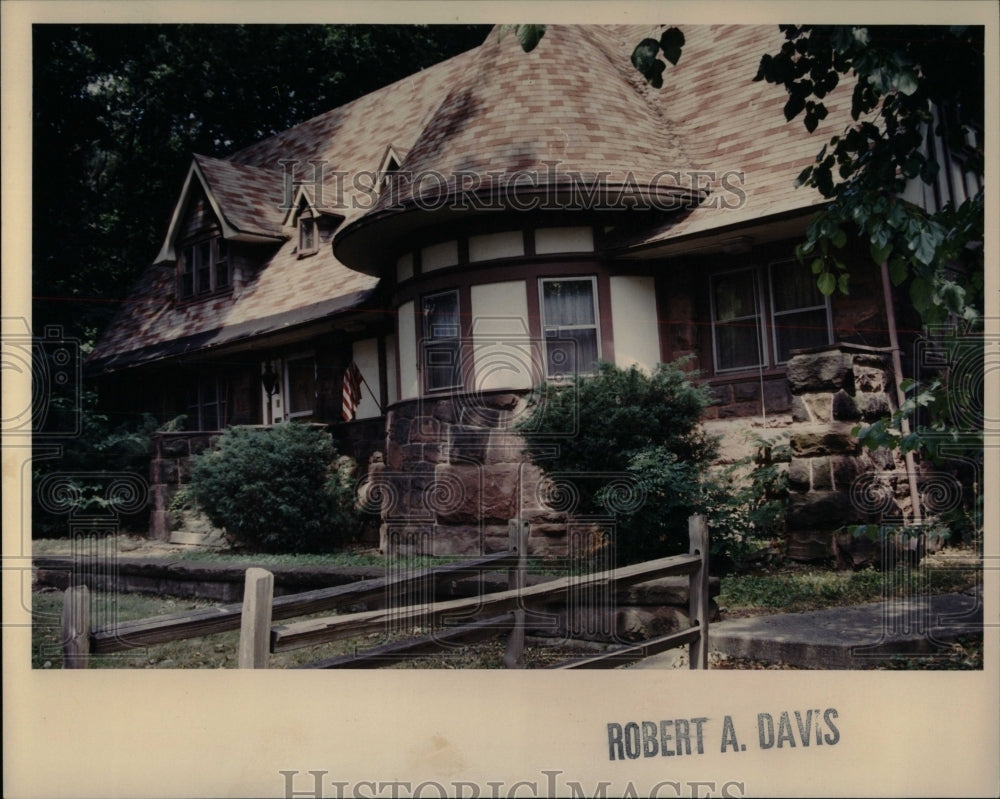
(453, 475)
(741, 398)
(830, 475)
(168, 471)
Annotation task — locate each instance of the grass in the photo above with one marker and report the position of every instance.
(796, 589)
(790, 588)
(219, 651)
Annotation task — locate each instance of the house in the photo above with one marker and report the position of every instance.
(499, 220)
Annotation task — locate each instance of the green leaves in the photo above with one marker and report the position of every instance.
(645, 55)
(827, 283)
(672, 41)
(644, 59)
(528, 36)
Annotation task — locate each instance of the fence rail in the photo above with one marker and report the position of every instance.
(458, 621)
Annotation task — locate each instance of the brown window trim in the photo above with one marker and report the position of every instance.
(214, 291)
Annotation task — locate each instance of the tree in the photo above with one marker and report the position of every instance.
(119, 110)
(909, 79)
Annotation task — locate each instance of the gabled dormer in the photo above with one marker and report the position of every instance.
(391, 160)
(309, 224)
(220, 203)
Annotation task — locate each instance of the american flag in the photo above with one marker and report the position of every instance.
(352, 391)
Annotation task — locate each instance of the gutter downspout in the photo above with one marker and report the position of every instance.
(897, 368)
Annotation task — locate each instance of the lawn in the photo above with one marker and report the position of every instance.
(789, 588)
(219, 651)
(795, 588)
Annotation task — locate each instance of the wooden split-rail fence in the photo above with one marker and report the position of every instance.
(502, 612)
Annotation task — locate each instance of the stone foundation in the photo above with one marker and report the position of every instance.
(452, 476)
(832, 480)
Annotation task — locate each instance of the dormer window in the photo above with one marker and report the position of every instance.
(204, 267)
(308, 240)
(390, 164)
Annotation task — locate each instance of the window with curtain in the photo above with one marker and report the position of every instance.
(442, 341)
(796, 315)
(569, 324)
(800, 316)
(736, 321)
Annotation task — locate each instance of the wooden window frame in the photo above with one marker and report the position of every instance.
(287, 385)
(307, 227)
(427, 342)
(824, 306)
(545, 328)
(197, 279)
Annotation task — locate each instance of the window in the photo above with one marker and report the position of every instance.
(800, 314)
(204, 267)
(208, 402)
(442, 344)
(569, 324)
(300, 385)
(386, 173)
(797, 315)
(308, 240)
(736, 321)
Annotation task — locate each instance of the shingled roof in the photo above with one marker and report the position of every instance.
(286, 290)
(574, 100)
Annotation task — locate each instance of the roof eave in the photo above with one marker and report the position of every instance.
(363, 242)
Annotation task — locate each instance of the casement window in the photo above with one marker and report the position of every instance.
(300, 386)
(751, 307)
(442, 341)
(569, 325)
(308, 238)
(208, 401)
(204, 267)
(800, 314)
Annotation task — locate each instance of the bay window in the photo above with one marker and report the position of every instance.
(569, 325)
(442, 341)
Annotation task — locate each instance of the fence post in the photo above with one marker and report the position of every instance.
(698, 592)
(76, 627)
(255, 626)
(517, 532)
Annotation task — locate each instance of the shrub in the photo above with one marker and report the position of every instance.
(627, 422)
(279, 489)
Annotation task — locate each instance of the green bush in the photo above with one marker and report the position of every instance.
(626, 421)
(279, 489)
(648, 428)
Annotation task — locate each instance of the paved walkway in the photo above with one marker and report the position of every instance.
(844, 638)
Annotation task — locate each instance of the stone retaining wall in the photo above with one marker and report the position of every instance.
(833, 389)
(452, 476)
